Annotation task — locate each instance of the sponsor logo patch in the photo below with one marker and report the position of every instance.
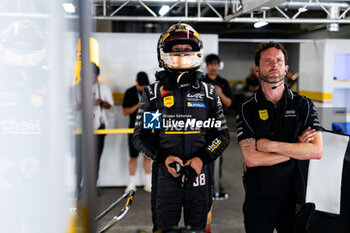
(196, 104)
(195, 96)
(214, 144)
(168, 101)
(290, 113)
(263, 114)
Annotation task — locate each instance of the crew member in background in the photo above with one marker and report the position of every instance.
(131, 104)
(221, 85)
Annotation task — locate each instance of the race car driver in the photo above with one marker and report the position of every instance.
(190, 131)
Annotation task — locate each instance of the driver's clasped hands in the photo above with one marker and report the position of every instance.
(191, 169)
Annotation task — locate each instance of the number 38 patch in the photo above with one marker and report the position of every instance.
(200, 180)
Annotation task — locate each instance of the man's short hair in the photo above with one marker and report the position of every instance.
(266, 45)
(95, 69)
(211, 58)
(142, 78)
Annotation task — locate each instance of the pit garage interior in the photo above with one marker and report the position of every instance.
(42, 46)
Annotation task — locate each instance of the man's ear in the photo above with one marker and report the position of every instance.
(256, 69)
(286, 69)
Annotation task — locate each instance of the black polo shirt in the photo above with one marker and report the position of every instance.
(131, 98)
(259, 118)
(222, 83)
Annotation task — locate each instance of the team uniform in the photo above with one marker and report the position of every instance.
(187, 101)
(272, 191)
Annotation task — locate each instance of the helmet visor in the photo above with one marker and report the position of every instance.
(181, 36)
(182, 60)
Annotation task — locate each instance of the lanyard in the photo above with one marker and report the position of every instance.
(139, 95)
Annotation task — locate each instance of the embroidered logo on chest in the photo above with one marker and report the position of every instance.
(168, 101)
(263, 114)
(290, 113)
(196, 104)
(195, 97)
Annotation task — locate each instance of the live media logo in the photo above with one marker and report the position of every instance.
(151, 120)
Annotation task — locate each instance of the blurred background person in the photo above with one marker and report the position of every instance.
(252, 82)
(292, 81)
(221, 84)
(103, 101)
(131, 104)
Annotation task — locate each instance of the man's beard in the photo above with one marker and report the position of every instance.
(270, 80)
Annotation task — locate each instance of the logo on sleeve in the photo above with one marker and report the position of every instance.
(150, 90)
(211, 90)
(219, 101)
(151, 120)
(214, 144)
(263, 114)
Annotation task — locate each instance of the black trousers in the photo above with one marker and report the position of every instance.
(169, 197)
(99, 139)
(263, 215)
(155, 166)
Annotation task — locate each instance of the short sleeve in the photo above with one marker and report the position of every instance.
(227, 89)
(108, 97)
(312, 117)
(244, 128)
(128, 99)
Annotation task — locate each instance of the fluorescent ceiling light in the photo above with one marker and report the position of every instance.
(69, 7)
(260, 24)
(164, 10)
(302, 9)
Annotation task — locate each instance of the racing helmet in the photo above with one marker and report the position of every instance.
(180, 33)
(23, 44)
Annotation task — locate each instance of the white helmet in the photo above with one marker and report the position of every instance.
(180, 33)
(23, 44)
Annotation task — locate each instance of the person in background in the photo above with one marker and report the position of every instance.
(277, 131)
(221, 85)
(252, 82)
(102, 102)
(292, 81)
(131, 103)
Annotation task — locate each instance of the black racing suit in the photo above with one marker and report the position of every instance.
(203, 133)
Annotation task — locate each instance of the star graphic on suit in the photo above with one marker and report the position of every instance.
(156, 115)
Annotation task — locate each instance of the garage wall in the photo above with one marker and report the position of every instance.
(238, 58)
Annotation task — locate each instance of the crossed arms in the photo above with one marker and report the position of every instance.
(264, 152)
